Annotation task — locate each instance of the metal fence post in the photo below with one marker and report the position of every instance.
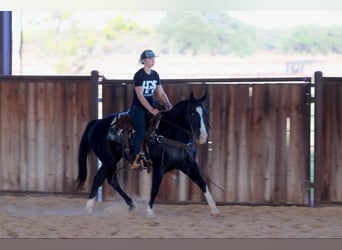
(318, 137)
(5, 42)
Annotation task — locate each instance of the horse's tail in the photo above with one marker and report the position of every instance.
(83, 151)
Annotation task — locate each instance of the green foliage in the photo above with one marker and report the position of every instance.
(122, 35)
(310, 39)
(206, 32)
(191, 32)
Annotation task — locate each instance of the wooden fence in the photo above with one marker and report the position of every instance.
(258, 150)
(42, 119)
(328, 139)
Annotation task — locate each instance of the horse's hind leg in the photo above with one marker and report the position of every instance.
(113, 181)
(98, 180)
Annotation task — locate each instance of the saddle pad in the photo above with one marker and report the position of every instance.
(120, 122)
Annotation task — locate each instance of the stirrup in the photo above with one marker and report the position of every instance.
(135, 165)
(138, 162)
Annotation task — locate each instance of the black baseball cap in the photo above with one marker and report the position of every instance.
(147, 54)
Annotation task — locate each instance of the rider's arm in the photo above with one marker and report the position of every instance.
(163, 96)
(144, 102)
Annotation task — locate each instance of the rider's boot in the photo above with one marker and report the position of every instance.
(138, 161)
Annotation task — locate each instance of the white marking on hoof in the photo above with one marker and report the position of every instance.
(149, 212)
(90, 205)
(212, 204)
(215, 215)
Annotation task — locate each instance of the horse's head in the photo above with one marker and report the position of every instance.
(198, 116)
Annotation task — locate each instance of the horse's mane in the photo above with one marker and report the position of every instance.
(177, 110)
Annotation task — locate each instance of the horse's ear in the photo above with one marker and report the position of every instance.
(191, 96)
(203, 98)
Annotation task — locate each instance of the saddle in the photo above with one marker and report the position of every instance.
(122, 131)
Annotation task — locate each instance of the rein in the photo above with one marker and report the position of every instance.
(164, 140)
(175, 125)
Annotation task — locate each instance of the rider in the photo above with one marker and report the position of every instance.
(146, 83)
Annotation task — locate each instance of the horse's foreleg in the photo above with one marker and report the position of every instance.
(212, 204)
(194, 174)
(156, 180)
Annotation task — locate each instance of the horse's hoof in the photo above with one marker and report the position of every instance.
(150, 213)
(132, 209)
(90, 205)
(214, 216)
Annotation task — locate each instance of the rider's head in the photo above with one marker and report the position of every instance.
(146, 54)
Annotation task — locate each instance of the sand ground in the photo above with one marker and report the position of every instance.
(65, 217)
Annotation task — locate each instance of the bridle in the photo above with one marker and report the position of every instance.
(185, 146)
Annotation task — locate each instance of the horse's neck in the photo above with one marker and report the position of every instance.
(173, 125)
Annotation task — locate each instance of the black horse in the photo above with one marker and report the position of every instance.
(172, 146)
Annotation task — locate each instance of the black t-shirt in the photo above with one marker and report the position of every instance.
(148, 83)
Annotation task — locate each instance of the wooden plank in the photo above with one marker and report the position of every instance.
(40, 135)
(326, 145)
(296, 161)
(243, 184)
(59, 111)
(256, 96)
(338, 175)
(279, 128)
(5, 135)
(75, 138)
(50, 137)
(31, 137)
(70, 121)
(231, 142)
(269, 149)
(14, 164)
(333, 120)
(216, 170)
(23, 168)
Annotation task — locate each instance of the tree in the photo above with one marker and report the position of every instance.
(313, 39)
(206, 32)
(68, 46)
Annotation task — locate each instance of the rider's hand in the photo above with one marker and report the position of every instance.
(168, 106)
(154, 112)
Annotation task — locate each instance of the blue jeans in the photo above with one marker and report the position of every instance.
(138, 116)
